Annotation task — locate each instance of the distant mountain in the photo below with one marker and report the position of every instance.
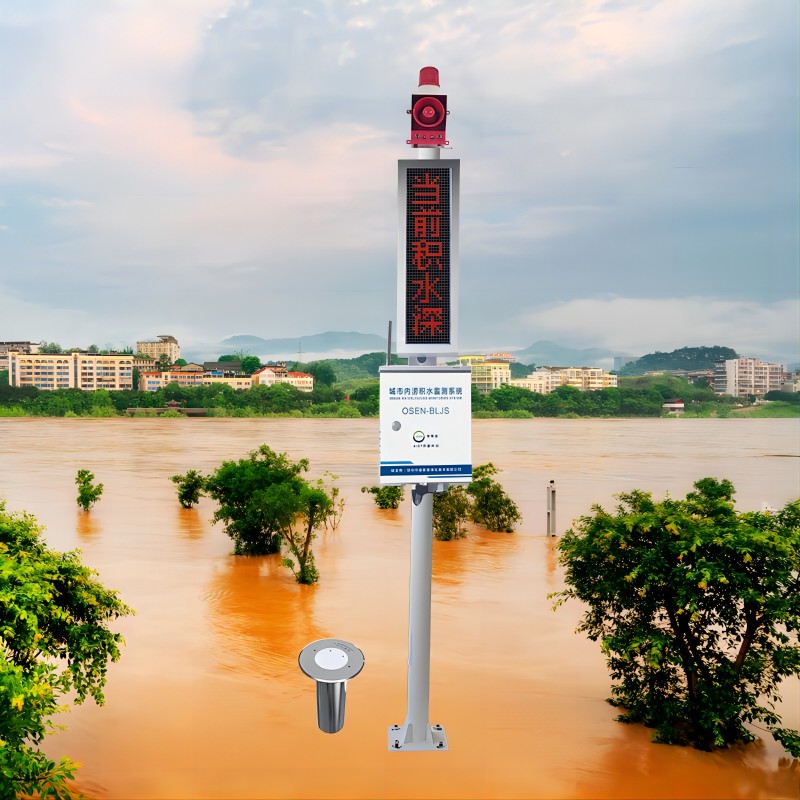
(549, 354)
(329, 342)
(685, 358)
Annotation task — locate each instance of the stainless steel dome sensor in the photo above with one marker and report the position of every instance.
(331, 663)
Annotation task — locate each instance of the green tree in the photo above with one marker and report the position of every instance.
(386, 496)
(300, 511)
(323, 373)
(88, 492)
(54, 618)
(50, 347)
(249, 364)
(190, 487)
(163, 363)
(451, 511)
(265, 501)
(491, 506)
(696, 607)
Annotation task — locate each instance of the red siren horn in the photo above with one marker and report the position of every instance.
(428, 112)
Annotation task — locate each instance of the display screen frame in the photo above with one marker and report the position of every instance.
(428, 256)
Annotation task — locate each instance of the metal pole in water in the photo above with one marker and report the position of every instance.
(551, 508)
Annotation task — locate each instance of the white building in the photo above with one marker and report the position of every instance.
(277, 373)
(742, 377)
(488, 372)
(87, 371)
(164, 346)
(545, 379)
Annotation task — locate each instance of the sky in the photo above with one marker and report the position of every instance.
(630, 171)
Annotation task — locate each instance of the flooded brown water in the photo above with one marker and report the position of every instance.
(208, 700)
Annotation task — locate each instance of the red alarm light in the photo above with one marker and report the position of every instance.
(428, 112)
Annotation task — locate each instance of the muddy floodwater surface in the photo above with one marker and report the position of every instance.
(208, 700)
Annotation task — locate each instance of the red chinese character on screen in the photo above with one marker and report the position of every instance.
(425, 254)
(427, 223)
(426, 289)
(426, 190)
(428, 320)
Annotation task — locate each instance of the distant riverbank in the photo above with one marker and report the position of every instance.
(635, 398)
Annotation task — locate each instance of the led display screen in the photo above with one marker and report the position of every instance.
(427, 273)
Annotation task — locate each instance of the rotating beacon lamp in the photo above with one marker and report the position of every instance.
(428, 112)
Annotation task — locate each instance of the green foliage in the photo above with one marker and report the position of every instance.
(696, 607)
(265, 501)
(491, 506)
(685, 358)
(50, 347)
(386, 496)
(163, 363)
(775, 394)
(483, 501)
(451, 511)
(334, 514)
(88, 492)
(250, 364)
(54, 619)
(190, 487)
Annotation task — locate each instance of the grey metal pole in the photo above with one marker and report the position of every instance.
(551, 508)
(419, 619)
(416, 733)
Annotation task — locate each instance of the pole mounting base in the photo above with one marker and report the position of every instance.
(401, 739)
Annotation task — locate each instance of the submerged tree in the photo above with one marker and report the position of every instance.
(483, 501)
(386, 496)
(88, 492)
(56, 643)
(265, 501)
(190, 487)
(696, 607)
(451, 511)
(491, 506)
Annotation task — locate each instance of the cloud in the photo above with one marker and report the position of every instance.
(242, 157)
(636, 326)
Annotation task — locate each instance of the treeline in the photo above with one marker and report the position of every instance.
(220, 400)
(635, 397)
(627, 400)
(685, 358)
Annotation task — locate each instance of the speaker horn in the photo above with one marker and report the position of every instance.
(428, 112)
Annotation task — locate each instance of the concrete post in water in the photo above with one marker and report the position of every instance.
(551, 508)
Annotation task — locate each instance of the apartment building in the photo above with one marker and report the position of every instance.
(18, 347)
(163, 346)
(153, 380)
(488, 372)
(85, 371)
(545, 379)
(271, 374)
(742, 377)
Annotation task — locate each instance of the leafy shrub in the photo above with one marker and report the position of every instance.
(265, 501)
(696, 607)
(56, 644)
(88, 492)
(190, 487)
(491, 506)
(386, 496)
(451, 510)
